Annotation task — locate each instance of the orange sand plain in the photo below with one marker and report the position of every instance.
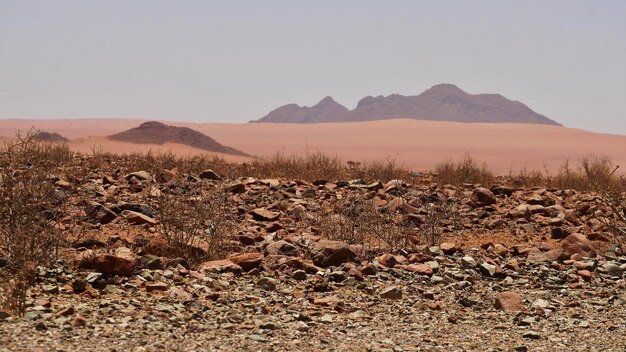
(413, 143)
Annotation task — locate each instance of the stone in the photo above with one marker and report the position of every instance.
(448, 248)
(487, 269)
(136, 218)
(482, 197)
(266, 283)
(391, 293)
(223, 265)
(263, 214)
(577, 243)
(151, 262)
(126, 253)
(99, 214)
(299, 275)
(140, 175)
(282, 247)
(468, 262)
(535, 256)
(613, 270)
(327, 253)
(113, 265)
(509, 302)
(247, 261)
(156, 286)
(157, 246)
(209, 175)
(421, 269)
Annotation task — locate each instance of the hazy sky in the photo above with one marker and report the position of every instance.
(234, 61)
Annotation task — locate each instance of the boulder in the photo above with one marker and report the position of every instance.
(209, 175)
(247, 261)
(577, 243)
(482, 197)
(327, 253)
(113, 265)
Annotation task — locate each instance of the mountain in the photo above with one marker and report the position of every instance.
(443, 102)
(50, 137)
(159, 133)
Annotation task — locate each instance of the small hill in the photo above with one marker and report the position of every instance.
(50, 137)
(159, 133)
(443, 102)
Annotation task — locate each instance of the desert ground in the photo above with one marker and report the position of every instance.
(415, 144)
(104, 252)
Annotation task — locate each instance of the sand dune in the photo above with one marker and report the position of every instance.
(414, 143)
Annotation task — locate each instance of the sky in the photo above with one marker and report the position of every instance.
(234, 61)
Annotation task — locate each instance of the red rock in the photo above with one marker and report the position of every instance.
(482, 197)
(327, 301)
(136, 218)
(327, 253)
(223, 265)
(247, 261)
(448, 248)
(156, 286)
(422, 269)
(157, 246)
(577, 243)
(390, 260)
(585, 275)
(113, 265)
(265, 215)
(510, 302)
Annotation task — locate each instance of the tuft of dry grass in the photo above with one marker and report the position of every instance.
(465, 170)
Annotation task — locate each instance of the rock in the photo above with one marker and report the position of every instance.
(113, 265)
(223, 265)
(140, 175)
(156, 286)
(448, 248)
(535, 256)
(209, 175)
(327, 253)
(299, 275)
(136, 218)
(487, 269)
(612, 269)
(263, 214)
(151, 262)
(577, 243)
(391, 293)
(421, 269)
(267, 284)
(247, 261)
(468, 262)
(282, 247)
(126, 253)
(79, 285)
(237, 188)
(157, 246)
(509, 302)
(482, 197)
(531, 335)
(99, 214)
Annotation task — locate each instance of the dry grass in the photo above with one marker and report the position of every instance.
(465, 170)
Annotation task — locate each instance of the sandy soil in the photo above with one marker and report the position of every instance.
(417, 144)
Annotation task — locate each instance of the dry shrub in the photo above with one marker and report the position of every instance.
(196, 221)
(31, 210)
(465, 170)
(436, 213)
(593, 174)
(357, 220)
(14, 289)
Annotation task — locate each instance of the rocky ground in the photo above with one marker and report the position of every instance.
(513, 269)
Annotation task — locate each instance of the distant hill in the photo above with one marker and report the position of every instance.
(443, 102)
(159, 133)
(50, 137)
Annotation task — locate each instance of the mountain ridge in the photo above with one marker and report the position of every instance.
(442, 102)
(153, 132)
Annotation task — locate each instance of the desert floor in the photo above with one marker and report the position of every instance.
(416, 144)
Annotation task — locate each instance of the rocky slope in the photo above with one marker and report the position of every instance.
(517, 269)
(153, 132)
(444, 102)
